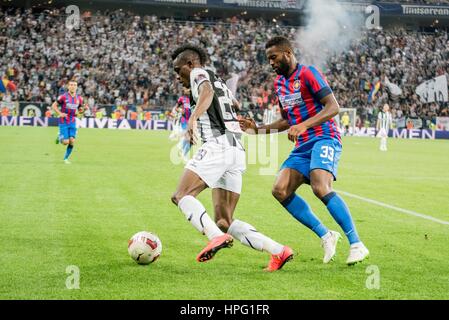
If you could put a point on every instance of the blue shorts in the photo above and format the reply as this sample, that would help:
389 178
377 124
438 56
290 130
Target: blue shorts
67 131
324 154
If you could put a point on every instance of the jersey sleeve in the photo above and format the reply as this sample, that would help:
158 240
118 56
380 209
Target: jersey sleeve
316 83
197 77
61 99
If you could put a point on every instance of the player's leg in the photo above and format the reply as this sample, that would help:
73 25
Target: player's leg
325 157
225 196
72 136
189 187
225 202
284 188
201 172
64 134
184 145
62 128
287 182
173 132
383 140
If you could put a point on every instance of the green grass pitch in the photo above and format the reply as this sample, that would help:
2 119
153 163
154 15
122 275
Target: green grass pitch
54 215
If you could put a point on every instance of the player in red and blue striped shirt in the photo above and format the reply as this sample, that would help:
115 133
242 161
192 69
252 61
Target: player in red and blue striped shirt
184 105
70 104
308 107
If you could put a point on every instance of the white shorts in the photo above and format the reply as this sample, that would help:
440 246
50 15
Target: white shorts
219 164
382 133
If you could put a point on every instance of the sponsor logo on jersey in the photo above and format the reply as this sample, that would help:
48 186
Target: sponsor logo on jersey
72 106
290 100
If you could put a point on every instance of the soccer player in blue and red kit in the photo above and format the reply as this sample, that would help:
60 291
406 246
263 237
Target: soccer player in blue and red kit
184 104
308 107
71 104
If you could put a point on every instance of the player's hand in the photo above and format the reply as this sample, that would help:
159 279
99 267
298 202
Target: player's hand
295 131
248 125
63 115
191 131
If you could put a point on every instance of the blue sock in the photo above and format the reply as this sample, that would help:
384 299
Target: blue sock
185 147
301 211
340 212
68 151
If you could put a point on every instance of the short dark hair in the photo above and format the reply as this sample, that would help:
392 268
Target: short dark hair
279 41
193 50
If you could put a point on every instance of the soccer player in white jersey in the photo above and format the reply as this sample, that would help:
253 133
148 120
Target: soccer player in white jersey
218 164
384 123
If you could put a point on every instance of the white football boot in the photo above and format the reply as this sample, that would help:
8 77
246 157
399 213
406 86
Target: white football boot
329 243
357 253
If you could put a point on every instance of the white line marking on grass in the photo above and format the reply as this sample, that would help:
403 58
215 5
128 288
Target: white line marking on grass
385 205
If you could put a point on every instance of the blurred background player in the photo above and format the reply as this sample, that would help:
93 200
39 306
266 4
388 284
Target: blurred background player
308 107
70 104
175 116
184 111
219 163
384 124
345 121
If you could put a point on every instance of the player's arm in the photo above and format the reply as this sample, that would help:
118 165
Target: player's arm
237 105
82 107
54 106
330 110
205 97
249 125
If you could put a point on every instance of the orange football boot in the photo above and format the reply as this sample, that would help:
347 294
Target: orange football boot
215 244
277 261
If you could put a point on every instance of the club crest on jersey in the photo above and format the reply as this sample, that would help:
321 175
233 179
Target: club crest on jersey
296 84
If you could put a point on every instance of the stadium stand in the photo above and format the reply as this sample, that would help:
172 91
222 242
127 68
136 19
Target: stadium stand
123 59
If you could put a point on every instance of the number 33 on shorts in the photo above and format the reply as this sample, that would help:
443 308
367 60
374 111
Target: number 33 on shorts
325 155
327 152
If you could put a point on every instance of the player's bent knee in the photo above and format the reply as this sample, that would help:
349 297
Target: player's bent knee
320 190
279 193
65 142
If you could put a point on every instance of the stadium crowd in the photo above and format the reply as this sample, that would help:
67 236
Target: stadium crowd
124 60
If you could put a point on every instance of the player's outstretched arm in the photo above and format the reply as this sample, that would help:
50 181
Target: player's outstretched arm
330 110
249 126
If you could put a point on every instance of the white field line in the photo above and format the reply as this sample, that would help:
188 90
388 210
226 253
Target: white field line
385 205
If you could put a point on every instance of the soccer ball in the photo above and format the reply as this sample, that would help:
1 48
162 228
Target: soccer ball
144 247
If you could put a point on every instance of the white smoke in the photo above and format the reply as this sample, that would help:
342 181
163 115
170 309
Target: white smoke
329 30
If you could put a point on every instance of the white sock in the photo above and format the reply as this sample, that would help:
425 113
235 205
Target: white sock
198 217
250 237
383 143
